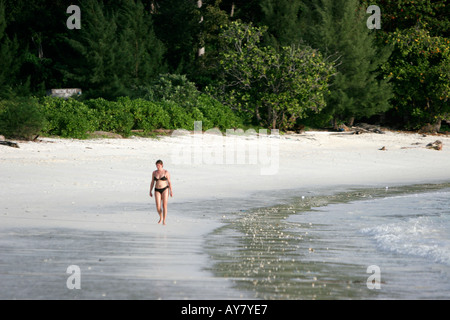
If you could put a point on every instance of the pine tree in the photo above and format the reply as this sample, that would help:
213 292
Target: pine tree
37 26
9 63
177 26
282 19
94 65
140 47
204 71
115 49
338 29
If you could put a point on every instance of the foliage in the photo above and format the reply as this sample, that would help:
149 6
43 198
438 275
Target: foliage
405 14
282 19
124 45
146 115
67 118
420 72
338 28
177 26
276 86
72 118
184 104
111 115
20 118
203 70
217 114
115 49
9 50
173 87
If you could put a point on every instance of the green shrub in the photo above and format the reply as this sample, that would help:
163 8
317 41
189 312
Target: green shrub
72 118
147 115
111 116
179 118
217 114
173 87
67 118
20 118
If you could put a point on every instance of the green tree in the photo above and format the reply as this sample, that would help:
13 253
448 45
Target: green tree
338 28
177 26
37 26
248 11
405 14
96 66
420 72
419 31
139 43
9 62
282 19
203 71
276 87
114 50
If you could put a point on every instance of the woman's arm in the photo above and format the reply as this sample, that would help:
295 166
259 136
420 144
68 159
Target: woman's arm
151 185
170 183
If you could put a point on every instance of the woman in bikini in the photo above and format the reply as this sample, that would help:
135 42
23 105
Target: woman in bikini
161 180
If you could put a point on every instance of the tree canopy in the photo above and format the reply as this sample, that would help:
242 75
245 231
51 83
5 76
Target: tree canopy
276 63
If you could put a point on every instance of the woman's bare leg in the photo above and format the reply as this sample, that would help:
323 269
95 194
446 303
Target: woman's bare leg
165 199
158 205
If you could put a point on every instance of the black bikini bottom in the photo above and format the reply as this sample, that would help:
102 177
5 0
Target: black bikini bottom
161 190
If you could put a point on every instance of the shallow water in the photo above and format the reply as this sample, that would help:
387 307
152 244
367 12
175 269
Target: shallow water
315 244
320 246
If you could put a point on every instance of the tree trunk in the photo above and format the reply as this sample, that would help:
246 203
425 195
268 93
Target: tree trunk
335 123
437 125
258 116
351 121
201 51
274 119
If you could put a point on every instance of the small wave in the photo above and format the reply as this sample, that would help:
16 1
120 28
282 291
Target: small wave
421 237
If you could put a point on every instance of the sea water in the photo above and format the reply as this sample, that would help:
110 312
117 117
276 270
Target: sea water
324 246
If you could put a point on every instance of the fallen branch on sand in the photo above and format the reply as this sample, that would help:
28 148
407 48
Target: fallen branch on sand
365 128
437 145
359 129
9 144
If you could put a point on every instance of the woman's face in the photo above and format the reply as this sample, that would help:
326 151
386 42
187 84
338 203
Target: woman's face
159 166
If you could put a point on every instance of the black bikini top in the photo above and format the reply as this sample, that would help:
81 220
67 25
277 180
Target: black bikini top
163 178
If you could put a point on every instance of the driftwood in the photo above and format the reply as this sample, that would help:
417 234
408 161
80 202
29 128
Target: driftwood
437 145
359 128
365 128
9 144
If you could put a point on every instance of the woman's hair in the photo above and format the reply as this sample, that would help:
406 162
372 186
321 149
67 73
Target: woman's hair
159 162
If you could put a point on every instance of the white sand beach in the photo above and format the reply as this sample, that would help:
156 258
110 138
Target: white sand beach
99 188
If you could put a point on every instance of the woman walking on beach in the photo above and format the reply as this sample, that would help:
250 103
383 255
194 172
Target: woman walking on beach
161 180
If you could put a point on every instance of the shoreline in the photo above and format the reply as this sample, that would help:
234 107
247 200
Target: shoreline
254 249
86 202
129 259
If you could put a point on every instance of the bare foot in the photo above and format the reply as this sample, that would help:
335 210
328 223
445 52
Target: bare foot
160 217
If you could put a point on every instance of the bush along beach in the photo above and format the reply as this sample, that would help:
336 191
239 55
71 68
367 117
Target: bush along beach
172 107
75 119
